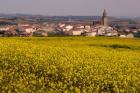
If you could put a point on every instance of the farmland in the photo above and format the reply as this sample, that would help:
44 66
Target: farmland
69 65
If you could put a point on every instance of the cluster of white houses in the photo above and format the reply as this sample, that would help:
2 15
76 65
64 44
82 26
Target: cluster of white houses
100 28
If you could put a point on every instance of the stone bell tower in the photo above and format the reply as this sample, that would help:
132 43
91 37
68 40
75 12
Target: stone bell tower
105 18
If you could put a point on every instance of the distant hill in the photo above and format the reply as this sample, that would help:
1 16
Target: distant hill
42 18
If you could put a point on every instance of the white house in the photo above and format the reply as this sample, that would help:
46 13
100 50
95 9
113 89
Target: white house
91 34
123 36
74 32
130 35
68 28
27 29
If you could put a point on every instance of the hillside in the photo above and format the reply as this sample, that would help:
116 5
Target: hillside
69 65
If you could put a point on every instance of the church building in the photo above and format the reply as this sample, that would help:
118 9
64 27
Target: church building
104 19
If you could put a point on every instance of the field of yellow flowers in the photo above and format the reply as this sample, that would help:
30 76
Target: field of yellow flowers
69 65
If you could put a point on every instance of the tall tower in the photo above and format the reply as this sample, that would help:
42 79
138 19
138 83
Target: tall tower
105 18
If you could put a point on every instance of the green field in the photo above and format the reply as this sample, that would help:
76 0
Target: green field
69 65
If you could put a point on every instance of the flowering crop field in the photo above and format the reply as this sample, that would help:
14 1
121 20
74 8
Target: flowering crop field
69 65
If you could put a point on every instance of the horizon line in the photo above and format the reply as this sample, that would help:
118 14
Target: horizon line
35 14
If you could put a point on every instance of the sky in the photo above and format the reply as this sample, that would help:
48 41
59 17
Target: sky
129 8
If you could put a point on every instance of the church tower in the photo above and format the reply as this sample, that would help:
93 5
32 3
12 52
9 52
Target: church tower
105 18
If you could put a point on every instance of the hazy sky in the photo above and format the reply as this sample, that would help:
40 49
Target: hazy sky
72 7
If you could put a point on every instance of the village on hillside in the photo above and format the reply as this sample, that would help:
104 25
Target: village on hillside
102 27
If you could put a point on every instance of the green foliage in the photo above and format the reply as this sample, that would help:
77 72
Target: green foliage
69 65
